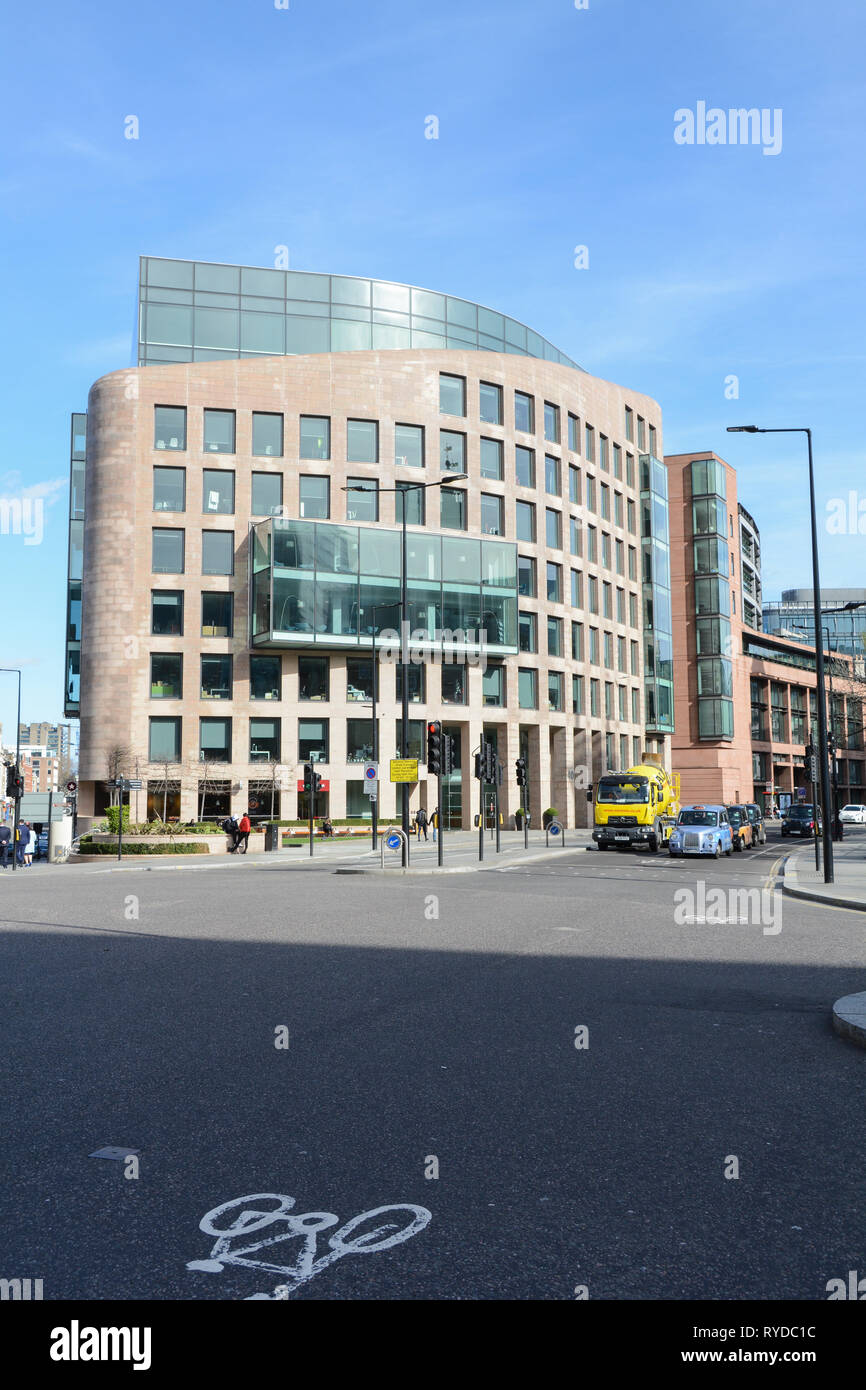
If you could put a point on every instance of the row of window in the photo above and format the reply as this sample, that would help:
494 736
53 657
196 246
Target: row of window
219 431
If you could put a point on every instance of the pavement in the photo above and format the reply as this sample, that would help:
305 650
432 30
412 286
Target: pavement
847 891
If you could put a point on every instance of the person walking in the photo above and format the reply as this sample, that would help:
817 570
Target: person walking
5 837
244 828
434 821
30 846
23 842
230 826
421 822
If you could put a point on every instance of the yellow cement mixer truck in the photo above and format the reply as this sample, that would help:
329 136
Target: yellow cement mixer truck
636 807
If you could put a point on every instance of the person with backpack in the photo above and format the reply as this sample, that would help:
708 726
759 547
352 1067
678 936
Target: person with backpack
421 822
230 826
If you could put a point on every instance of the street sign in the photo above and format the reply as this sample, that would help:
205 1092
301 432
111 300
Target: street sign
404 769
393 841
371 772
133 785
373 796
370 789
72 786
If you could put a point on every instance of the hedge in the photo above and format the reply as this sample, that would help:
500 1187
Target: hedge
91 848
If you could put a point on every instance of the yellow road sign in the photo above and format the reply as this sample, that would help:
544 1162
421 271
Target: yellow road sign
404 769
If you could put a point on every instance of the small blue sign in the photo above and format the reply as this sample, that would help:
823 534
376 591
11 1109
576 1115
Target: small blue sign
555 829
393 842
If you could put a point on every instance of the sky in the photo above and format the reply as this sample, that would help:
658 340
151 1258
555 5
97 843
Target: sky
724 281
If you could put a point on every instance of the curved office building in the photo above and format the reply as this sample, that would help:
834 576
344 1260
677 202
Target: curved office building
242 557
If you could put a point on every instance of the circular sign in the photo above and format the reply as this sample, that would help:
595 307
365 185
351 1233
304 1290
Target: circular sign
555 828
71 786
393 841
371 772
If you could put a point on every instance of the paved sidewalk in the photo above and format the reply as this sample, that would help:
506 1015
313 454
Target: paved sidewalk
803 880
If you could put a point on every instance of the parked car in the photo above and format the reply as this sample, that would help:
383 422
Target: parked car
853 814
756 816
702 830
741 827
800 820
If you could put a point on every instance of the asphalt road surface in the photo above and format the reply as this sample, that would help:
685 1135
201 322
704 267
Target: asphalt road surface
431 1027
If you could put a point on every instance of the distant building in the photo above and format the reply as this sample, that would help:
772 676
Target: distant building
40 768
61 739
794 617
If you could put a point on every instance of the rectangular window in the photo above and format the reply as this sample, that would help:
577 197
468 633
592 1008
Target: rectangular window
315 497
590 493
525 521
215 740
574 434
493 685
577 641
621 694
629 470
577 694
632 610
574 535
594 698
632 522
216 677
617 461
552 482
605 550
629 424
632 563
169 427
554 637
362 504
267 497
635 658
553 528
526 581
452 509
605 502
490 402
608 700
409 446
359 740
362 441
264 740
524 413
452 394
603 457
265 681
576 589
620 605
635 705
267 435
417 693
216 615
589 445
219 431
641 433
359 678
315 437
593 646
592 584
169 489
166 675
620 557
607 638
524 466
573 483
491 459
554 690
492 515
313 677
166 613
454 690
592 544
452 451
527 688
412 498
167 551
607 599
164 740
218 491
617 509
554 583
415 747
527 632
652 441
620 655
313 740
217 552
551 422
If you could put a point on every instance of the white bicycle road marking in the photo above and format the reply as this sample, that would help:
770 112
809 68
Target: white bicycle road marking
306 1226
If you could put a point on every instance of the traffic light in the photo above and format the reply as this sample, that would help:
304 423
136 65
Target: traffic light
520 769
489 764
434 748
312 779
317 782
479 766
447 755
14 781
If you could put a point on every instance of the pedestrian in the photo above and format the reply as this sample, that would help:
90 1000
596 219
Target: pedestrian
5 837
230 826
421 822
24 843
434 821
244 828
327 828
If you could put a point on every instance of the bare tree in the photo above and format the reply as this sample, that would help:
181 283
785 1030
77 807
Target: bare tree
117 765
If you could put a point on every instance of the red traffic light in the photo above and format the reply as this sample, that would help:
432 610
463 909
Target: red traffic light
434 727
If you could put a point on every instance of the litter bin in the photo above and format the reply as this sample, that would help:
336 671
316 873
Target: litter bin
272 837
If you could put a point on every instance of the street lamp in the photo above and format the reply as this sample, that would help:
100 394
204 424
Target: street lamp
13 671
403 488
819 647
838 830
374 806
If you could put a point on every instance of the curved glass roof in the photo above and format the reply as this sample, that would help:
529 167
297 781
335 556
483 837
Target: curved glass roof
197 311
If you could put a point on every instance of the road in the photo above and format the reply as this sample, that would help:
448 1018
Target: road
431 1024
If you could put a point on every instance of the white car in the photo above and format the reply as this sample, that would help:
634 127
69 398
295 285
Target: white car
853 814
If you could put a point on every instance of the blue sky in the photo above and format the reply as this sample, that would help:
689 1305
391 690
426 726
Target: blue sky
305 127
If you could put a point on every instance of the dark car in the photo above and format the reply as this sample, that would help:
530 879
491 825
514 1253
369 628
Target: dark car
741 827
756 816
800 820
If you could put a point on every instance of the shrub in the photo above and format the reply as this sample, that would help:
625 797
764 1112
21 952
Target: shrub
88 847
113 816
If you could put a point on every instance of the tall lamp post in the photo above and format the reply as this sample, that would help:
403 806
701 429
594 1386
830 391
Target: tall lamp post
838 831
402 489
374 805
13 671
819 647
